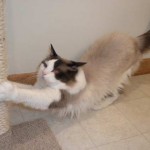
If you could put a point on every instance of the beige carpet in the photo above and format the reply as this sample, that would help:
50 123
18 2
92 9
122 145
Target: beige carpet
35 135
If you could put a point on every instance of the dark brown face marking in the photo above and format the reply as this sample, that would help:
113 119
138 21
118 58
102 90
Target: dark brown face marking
44 63
58 63
65 70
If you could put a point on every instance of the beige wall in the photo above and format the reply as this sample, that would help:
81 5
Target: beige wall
71 25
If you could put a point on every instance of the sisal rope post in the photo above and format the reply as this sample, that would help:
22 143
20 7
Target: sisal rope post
4 116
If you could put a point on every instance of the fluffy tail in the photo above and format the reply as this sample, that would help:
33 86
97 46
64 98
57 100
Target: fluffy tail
144 42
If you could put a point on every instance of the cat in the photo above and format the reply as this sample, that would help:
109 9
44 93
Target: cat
71 88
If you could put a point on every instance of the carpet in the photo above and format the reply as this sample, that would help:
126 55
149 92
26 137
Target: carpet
34 135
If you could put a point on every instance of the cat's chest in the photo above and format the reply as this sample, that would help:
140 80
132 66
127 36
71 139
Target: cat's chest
40 84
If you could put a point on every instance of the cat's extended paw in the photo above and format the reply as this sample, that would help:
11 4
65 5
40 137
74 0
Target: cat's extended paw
6 90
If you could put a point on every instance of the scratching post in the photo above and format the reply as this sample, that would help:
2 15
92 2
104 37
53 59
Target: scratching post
4 117
35 135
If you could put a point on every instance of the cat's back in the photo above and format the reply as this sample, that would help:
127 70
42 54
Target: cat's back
109 54
110 46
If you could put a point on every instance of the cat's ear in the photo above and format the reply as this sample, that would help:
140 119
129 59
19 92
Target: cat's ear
79 64
52 51
75 65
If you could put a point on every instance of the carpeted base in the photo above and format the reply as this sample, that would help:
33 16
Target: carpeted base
34 135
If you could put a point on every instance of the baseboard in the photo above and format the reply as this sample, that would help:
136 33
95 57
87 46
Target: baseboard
144 67
30 78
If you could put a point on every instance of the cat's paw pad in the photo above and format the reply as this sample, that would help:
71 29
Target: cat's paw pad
6 88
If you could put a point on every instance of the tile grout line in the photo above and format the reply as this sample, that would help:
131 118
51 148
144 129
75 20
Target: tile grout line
140 83
117 141
145 138
136 99
147 96
112 141
142 89
21 115
130 121
87 135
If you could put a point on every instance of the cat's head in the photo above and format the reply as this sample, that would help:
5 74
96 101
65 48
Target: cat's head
60 73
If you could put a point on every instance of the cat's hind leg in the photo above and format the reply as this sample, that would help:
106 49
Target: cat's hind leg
110 97
105 101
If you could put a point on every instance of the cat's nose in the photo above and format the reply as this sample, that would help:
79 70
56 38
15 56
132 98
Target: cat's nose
43 73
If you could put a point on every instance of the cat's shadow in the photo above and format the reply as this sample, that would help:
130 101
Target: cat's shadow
59 124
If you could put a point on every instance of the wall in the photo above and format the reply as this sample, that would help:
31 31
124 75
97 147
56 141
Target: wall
71 25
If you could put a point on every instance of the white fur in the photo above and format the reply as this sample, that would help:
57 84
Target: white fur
35 98
50 66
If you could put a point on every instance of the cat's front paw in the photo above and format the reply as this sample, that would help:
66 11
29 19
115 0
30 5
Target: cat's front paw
6 90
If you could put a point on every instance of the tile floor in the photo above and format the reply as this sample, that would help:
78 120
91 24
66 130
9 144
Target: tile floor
125 125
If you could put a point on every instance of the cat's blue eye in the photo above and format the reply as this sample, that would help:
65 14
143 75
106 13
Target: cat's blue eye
44 63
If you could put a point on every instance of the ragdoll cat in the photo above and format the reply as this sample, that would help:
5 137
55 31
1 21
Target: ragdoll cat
71 87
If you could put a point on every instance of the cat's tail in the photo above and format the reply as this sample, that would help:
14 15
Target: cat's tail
144 42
